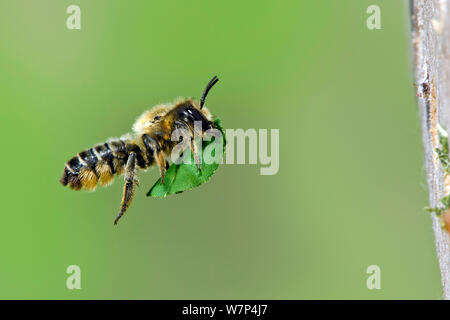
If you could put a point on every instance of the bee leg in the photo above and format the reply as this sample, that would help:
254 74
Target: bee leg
194 148
162 164
131 181
195 152
153 145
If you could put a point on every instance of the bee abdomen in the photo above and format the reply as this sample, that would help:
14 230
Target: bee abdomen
100 163
84 171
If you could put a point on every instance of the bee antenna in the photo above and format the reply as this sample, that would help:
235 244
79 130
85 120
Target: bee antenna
208 87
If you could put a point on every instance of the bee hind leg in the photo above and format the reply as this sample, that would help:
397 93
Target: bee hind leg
131 182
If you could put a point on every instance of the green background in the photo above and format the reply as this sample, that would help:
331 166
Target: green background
350 190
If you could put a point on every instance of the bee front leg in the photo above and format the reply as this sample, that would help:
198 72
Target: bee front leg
131 181
195 152
193 145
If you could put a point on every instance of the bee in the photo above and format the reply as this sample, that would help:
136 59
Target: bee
149 144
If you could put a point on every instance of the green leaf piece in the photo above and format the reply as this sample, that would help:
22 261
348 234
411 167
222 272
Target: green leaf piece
185 176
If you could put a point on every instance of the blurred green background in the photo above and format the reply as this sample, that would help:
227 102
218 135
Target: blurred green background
350 190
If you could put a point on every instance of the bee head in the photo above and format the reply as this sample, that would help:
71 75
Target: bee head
189 113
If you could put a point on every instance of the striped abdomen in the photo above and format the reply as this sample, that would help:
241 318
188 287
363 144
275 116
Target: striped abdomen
100 163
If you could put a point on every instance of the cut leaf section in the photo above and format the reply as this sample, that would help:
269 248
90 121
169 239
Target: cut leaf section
185 176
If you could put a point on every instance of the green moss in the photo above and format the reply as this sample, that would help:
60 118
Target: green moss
445 162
